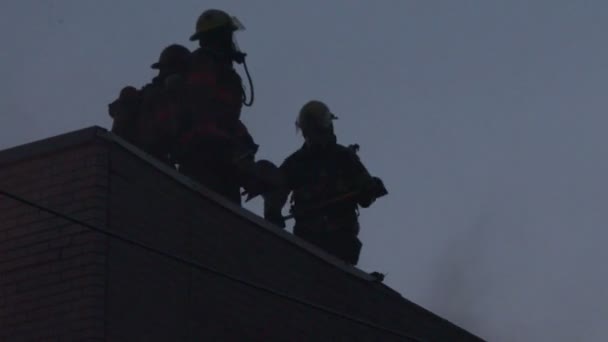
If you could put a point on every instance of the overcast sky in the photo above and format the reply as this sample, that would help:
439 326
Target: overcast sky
486 119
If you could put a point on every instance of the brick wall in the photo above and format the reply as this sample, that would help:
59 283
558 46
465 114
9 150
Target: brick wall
52 280
62 281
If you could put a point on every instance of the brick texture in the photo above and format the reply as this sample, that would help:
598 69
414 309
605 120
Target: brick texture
61 281
52 272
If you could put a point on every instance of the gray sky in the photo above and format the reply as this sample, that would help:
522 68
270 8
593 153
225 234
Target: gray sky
486 119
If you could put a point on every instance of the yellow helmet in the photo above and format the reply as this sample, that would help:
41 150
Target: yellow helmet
212 19
315 115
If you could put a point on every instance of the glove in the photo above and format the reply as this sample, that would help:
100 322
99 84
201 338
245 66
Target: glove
371 189
273 206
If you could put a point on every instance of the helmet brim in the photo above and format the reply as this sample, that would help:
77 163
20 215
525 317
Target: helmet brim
195 36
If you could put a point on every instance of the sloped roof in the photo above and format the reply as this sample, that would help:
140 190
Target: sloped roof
392 300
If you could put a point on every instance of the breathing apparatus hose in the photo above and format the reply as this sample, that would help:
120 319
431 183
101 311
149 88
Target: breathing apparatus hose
251 92
239 58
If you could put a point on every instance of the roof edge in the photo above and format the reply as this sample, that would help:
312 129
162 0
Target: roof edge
91 134
48 145
235 209
72 139
263 224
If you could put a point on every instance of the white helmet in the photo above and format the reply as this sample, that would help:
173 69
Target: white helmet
315 115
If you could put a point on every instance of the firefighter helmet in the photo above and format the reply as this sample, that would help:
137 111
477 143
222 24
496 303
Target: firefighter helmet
315 115
212 19
172 55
